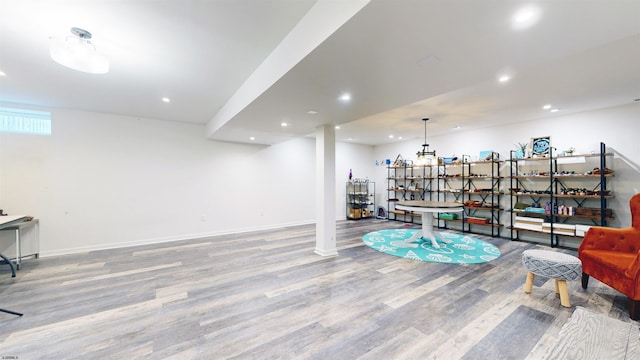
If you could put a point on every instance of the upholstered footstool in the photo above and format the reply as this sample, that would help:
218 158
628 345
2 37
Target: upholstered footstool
554 265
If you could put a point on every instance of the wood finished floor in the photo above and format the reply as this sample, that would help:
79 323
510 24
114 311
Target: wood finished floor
266 295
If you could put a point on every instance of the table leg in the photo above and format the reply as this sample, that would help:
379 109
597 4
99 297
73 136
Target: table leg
410 241
427 229
426 232
18 250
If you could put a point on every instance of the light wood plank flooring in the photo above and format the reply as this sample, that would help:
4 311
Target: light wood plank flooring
266 295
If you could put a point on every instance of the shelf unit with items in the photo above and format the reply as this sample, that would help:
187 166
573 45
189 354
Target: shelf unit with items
560 196
360 199
475 184
407 182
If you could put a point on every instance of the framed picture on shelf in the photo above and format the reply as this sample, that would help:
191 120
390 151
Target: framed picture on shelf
540 146
399 161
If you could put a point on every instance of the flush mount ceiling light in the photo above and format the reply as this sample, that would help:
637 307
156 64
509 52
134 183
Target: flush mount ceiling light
525 17
345 98
425 157
78 52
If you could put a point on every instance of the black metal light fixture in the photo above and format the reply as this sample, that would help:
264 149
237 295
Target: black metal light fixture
425 157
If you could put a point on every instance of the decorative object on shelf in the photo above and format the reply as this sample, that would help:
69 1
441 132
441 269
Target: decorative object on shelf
540 146
425 157
487 155
77 52
399 161
350 174
521 150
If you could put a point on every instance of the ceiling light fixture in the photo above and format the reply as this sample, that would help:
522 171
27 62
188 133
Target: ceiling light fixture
252 138
547 107
346 97
78 52
166 100
2 73
555 110
504 78
525 17
337 127
312 112
284 124
425 157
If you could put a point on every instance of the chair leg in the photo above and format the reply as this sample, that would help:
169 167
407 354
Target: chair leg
528 285
585 280
634 309
561 285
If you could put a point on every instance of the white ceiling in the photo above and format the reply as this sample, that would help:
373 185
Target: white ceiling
402 60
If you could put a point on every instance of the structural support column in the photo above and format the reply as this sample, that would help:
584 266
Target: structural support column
326 191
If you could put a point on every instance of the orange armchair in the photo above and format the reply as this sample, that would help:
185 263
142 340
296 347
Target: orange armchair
613 256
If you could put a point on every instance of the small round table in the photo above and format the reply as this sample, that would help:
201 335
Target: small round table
427 208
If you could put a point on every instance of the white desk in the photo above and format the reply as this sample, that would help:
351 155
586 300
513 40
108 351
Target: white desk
428 208
5 223
27 239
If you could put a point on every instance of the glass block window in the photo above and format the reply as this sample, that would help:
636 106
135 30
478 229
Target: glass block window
25 121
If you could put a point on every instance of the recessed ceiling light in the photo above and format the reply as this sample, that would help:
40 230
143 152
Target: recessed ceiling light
337 127
547 107
525 17
399 137
2 73
457 127
252 138
284 124
346 97
391 136
166 100
312 112
351 139
504 78
555 110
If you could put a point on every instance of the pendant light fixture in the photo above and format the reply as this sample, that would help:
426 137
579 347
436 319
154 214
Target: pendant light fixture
425 157
78 52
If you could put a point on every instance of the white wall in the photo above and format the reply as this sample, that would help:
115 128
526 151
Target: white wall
618 128
103 181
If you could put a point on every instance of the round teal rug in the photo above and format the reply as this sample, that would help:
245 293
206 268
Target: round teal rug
463 249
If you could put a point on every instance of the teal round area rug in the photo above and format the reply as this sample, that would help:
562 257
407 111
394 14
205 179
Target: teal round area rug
461 249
